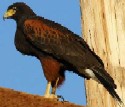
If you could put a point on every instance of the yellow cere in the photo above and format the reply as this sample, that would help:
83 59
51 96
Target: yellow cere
9 13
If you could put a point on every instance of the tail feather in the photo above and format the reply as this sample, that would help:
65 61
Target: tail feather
107 81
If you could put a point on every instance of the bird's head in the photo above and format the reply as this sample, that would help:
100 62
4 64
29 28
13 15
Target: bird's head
17 10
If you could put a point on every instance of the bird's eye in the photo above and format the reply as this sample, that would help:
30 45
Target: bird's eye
14 8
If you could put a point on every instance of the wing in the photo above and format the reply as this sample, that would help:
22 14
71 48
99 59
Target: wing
58 41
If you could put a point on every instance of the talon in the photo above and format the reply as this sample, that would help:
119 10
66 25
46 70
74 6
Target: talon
61 97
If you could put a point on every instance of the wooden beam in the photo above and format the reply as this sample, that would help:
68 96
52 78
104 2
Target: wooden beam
103 26
11 98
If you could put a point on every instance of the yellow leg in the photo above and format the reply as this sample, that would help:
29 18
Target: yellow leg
47 92
53 93
55 86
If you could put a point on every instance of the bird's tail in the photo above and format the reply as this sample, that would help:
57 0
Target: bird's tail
107 81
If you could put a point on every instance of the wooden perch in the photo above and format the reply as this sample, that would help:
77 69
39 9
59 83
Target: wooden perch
103 26
11 98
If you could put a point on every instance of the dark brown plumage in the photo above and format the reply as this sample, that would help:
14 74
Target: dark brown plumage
57 48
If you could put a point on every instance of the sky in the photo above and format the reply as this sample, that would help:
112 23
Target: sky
24 73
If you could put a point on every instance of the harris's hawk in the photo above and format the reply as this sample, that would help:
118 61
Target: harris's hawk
57 48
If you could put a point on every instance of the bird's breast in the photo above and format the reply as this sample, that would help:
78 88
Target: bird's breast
23 45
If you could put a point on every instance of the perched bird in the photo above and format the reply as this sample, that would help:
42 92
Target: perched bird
57 48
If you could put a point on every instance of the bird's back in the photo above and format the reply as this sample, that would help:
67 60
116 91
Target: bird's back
53 37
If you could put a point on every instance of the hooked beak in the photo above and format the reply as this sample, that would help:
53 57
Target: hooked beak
9 14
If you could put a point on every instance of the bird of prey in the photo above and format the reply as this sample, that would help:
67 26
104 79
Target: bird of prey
57 48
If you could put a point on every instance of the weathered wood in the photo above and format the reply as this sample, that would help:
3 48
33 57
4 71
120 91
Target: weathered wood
103 26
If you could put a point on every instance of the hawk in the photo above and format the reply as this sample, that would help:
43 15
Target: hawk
57 48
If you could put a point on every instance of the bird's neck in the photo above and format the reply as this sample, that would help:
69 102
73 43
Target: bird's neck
21 19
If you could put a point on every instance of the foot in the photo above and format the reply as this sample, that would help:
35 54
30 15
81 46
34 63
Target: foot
51 96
